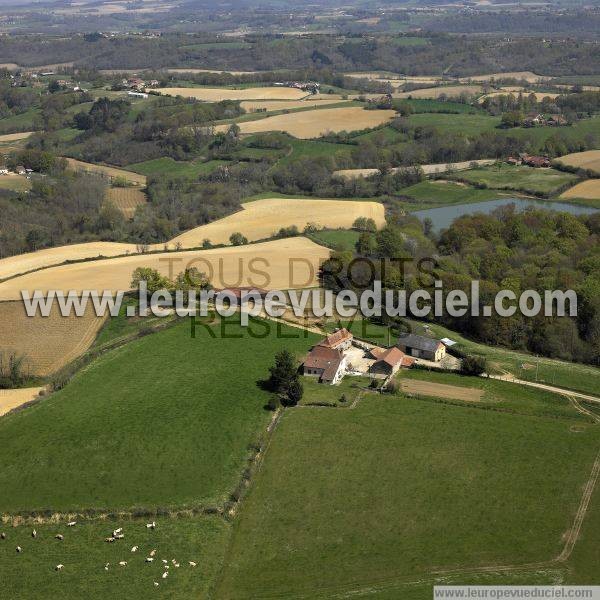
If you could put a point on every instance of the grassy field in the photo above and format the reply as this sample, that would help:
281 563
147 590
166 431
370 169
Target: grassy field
163 421
527 179
166 166
423 105
24 121
467 123
369 490
343 239
501 396
83 552
429 194
317 393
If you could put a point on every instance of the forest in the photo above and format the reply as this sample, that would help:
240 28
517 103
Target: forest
467 56
531 250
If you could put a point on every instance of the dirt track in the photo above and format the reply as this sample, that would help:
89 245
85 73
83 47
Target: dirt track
440 390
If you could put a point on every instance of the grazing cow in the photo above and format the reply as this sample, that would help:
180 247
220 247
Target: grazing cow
19 549
110 540
151 525
59 567
60 537
71 523
153 553
165 574
149 559
34 534
123 563
192 563
156 584
120 536
2 536
134 549
177 565
164 561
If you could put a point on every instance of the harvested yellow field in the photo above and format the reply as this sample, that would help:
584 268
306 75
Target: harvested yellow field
262 218
111 172
11 399
257 220
588 190
427 169
269 105
582 160
14 182
13 137
23 263
218 94
314 123
126 199
528 76
47 343
279 264
539 96
451 91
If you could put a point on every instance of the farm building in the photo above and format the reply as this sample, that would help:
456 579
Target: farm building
338 340
387 362
422 347
326 363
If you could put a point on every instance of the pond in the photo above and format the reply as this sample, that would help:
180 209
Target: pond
443 216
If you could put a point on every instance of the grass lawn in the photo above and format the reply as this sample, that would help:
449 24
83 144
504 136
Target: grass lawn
122 327
465 123
166 166
429 194
424 105
163 421
318 393
343 239
348 500
527 179
313 149
24 121
83 552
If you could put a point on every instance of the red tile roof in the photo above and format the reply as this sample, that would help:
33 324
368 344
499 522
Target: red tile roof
392 356
336 338
327 359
